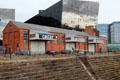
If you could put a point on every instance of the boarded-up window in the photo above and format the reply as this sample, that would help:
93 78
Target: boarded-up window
11 27
25 37
32 35
49 42
63 39
56 41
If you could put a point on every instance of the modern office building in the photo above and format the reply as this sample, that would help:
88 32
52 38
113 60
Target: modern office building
114 36
103 29
2 26
6 15
68 13
114 33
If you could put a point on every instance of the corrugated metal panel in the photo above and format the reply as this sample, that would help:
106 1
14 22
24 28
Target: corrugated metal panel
48 29
40 32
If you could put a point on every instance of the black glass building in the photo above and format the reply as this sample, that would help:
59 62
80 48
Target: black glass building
72 13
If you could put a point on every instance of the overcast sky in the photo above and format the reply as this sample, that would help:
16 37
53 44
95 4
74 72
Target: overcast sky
25 9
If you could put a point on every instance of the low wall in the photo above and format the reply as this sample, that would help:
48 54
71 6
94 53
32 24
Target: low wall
46 69
106 67
61 68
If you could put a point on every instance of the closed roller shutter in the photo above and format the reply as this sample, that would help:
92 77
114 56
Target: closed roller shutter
37 47
91 48
69 46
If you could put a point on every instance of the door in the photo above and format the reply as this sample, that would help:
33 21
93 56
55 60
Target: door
91 48
37 47
70 46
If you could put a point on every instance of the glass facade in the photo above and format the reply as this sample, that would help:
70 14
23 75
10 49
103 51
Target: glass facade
112 31
25 37
115 33
80 13
113 47
68 13
103 29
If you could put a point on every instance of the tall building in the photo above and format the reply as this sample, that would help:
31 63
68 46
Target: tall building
114 36
103 29
114 33
6 15
2 26
72 13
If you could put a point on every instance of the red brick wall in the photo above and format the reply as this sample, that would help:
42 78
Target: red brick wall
104 44
24 46
81 46
97 48
84 45
13 37
57 47
92 31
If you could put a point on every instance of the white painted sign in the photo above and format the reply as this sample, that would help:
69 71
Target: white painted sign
95 41
45 36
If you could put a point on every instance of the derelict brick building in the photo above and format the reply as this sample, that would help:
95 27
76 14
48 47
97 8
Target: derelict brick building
23 37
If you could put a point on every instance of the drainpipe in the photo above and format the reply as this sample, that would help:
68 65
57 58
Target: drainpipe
64 41
29 42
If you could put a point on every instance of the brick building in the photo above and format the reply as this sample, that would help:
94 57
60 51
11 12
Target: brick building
15 39
91 30
104 45
23 38
97 39
76 42
57 44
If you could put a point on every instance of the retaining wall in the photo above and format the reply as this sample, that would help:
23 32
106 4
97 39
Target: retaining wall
61 68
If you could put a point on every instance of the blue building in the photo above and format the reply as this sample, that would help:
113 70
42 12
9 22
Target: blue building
114 36
114 33
103 29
